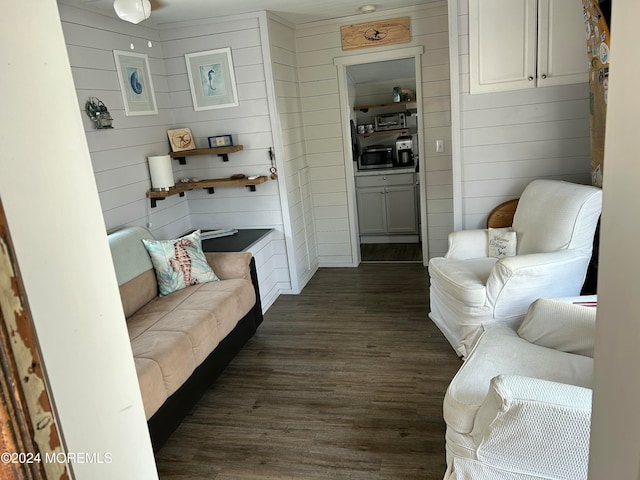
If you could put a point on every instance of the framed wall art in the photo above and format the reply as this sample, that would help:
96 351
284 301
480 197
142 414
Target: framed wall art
136 85
212 80
181 139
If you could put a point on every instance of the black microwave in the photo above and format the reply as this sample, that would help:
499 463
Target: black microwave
377 156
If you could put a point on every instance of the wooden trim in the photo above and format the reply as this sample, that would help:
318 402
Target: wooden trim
27 421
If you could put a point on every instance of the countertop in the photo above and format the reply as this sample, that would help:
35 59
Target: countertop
384 171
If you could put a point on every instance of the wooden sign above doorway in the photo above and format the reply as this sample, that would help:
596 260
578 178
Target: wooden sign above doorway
375 34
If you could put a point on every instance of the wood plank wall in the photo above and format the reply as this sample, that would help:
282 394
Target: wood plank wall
119 155
317 45
511 138
296 168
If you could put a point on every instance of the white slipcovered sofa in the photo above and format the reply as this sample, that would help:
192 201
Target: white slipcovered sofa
520 405
470 291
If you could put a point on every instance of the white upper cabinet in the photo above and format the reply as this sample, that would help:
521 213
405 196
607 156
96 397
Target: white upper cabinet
517 44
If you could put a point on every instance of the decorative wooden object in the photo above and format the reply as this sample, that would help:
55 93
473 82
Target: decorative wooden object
598 39
28 431
375 34
502 215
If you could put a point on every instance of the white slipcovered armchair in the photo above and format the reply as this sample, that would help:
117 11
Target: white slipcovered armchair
520 405
555 222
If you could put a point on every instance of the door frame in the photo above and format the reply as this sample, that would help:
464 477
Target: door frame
345 113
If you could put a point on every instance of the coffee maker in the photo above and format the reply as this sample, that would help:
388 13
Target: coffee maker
404 151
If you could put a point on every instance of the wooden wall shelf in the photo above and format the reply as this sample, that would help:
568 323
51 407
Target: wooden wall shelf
365 108
386 132
220 151
209 185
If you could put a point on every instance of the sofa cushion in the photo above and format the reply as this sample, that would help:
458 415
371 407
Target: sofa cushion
553 215
179 262
500 351
152 384
562 325
463 280
178 331
137 292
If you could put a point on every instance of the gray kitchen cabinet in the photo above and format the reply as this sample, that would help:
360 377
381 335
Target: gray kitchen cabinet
372 210
387 204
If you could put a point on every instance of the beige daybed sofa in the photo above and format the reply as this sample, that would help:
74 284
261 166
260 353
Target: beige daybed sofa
182 341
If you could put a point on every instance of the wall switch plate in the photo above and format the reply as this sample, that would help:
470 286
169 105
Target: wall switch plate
439 146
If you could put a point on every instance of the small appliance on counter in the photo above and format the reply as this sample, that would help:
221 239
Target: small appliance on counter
404 151
390 121
376 156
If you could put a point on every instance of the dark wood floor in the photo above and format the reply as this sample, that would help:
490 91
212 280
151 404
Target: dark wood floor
345 380
391 252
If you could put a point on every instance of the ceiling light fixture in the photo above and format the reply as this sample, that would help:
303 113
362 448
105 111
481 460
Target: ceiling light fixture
368 8
133 11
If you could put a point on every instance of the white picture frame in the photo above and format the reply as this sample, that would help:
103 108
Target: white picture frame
136 84
212 79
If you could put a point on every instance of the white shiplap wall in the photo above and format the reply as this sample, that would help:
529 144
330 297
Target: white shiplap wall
511 138
292 134
119 155
317 45
249 124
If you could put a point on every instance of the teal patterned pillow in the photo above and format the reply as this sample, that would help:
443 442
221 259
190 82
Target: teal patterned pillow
179 263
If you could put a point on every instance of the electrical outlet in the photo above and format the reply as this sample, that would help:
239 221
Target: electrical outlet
439 146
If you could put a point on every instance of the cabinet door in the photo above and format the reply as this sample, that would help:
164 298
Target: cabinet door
562 48
401 209
372 210
502 45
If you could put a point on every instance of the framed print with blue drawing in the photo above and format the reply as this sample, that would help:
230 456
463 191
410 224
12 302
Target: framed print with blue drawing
211 78
136 85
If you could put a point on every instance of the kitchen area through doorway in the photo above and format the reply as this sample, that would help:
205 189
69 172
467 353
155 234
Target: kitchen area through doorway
384 137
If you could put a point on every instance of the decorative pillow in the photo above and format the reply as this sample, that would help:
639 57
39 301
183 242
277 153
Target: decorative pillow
502 242
179 263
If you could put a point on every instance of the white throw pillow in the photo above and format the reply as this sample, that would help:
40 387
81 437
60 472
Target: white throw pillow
502 242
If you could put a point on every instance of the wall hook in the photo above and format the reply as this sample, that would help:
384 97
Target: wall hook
273 169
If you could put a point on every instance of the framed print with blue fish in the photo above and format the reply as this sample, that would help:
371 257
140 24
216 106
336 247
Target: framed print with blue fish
136 85
212 81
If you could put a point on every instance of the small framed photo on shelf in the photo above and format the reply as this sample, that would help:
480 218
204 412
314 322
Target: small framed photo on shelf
181 139
220 141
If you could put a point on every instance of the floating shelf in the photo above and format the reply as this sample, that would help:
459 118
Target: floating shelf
220 151
209 185
365 108
386 132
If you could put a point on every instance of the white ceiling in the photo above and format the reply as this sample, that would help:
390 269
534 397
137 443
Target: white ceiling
294 11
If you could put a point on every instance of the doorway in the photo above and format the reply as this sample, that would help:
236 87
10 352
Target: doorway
387 208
